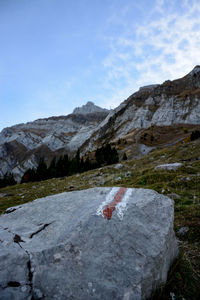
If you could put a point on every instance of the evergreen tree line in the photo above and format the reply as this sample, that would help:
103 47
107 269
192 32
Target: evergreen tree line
195 135
7 179
66 167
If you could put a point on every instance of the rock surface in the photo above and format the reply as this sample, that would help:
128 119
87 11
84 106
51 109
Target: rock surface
173 166
22 145
170 103
71 246
89 107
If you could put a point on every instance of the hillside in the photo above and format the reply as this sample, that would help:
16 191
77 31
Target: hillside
182 184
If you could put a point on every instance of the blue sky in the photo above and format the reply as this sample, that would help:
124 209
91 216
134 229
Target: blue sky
56 55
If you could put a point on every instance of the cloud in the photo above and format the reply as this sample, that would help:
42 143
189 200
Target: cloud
164 46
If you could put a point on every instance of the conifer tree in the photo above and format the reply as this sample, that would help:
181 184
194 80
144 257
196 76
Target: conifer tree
8 179
52 172
41 171
124 156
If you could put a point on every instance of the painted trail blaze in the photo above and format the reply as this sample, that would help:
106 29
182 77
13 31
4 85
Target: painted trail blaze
108 210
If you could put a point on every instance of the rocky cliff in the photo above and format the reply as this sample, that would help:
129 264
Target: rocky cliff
22 145
171 103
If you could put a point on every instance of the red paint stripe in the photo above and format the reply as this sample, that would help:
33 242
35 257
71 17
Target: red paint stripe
108 210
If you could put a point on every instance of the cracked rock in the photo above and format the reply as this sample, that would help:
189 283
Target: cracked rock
101 243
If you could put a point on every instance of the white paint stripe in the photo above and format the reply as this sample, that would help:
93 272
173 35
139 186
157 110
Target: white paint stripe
109 198
121 207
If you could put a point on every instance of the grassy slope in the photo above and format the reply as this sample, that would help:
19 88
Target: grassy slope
184 276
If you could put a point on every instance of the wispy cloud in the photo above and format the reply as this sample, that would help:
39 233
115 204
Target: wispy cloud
164 46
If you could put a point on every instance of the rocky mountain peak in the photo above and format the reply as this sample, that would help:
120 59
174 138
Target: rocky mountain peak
89 107
195 70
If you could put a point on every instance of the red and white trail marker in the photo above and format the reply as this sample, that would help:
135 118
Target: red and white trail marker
116 200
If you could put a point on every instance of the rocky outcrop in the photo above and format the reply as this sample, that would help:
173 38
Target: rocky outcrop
173 166
89 107
101 243
22 145
171 103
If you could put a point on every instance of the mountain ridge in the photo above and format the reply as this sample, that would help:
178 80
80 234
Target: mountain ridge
88 127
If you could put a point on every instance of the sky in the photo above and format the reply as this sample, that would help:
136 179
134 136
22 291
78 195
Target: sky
56 55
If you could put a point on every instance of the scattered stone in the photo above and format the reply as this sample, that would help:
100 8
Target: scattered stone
34 187
127 174
183 230
173 166
101 243
118 178
172 295
174 196
118 166
2 195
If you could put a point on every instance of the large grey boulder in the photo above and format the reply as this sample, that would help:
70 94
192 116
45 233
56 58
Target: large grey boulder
73 246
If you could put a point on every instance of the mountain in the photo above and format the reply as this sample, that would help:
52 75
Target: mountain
168 104
142 122
22 145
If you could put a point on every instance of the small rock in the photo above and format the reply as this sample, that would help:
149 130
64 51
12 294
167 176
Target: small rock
183 230
5 195
118 166
172 296
127 174
118 178
33 187
173 166
173 196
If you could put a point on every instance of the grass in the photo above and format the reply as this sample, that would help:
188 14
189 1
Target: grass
184 276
